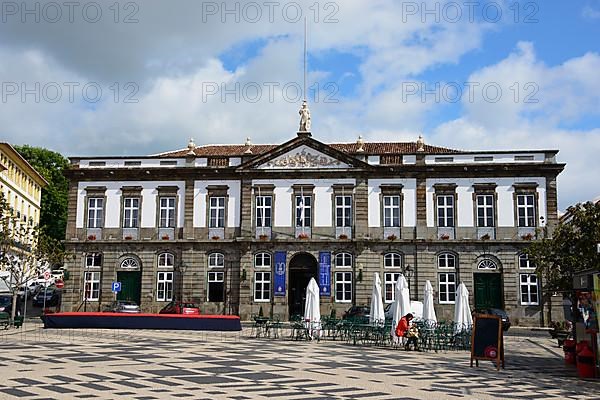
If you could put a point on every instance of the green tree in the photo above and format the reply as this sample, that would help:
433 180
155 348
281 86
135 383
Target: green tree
26 250
50 164
570 249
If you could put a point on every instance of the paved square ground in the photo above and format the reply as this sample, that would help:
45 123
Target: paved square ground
110 364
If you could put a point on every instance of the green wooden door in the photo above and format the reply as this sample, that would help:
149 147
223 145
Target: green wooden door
131 286
488 291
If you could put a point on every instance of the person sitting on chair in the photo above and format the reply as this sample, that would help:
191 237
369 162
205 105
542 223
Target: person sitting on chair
402 330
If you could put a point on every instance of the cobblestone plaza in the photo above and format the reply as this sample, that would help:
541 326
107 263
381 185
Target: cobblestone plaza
109 364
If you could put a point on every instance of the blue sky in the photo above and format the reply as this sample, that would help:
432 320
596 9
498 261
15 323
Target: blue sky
184 63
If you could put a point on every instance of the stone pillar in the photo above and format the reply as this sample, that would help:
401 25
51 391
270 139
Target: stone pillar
246 209
361 210
421 231
188 210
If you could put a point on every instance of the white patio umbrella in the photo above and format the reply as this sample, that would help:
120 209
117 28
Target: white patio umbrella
401 305
312 309
462 311
428 309
377 314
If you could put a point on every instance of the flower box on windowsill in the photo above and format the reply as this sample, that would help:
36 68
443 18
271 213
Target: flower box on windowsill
392 237
165 237
444 236
263 237
343 237
128 237
303 236
91 237
527 236
215 237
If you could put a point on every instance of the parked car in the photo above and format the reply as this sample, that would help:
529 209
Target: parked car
52 297
416 309
6 303
58 274
357 312
498 312
123 306
178 307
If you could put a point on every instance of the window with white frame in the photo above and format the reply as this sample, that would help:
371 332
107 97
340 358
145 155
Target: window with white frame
131 207
303 211
343 286
485 210
93 260
263 211
262 260
487 263
343 260
525 262
215 286
389 283
164 286
447 288
166 260
262 286
529 290
216 277
130 263
216 212
343 211
526 210
167 212
216 260
446 260
392 260
91 285
391 211
95 212
445 211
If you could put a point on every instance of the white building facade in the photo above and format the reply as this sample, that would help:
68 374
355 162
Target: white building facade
236 228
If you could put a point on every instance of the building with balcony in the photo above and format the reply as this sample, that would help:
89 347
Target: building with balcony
240 227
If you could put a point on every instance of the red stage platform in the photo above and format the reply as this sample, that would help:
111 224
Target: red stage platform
107 320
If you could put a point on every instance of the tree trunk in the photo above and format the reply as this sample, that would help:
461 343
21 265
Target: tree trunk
14 305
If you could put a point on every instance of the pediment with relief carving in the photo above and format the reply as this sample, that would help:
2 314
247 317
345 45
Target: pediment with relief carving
303 157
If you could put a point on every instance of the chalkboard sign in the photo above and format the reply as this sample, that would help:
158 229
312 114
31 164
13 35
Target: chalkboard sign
487 342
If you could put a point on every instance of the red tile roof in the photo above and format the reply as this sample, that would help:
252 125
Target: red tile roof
238 150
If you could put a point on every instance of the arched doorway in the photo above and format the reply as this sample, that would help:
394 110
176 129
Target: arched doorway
303 266
487 283
130 276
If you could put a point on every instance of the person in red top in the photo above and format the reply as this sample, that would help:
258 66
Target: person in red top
403 328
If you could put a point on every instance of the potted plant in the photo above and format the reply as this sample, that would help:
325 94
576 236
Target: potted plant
303 236
392 237
91 237
263 237
527 236
128 237
165 237
215 237
343 236
444 236
485 237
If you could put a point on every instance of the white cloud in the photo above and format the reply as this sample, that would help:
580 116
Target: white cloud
172 55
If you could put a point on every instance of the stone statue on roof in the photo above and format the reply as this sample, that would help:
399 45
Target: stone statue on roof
304 117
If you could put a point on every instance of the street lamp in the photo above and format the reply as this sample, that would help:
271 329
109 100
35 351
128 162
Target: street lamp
408 272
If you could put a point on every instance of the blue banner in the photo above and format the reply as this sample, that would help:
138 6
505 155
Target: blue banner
280 273
325 273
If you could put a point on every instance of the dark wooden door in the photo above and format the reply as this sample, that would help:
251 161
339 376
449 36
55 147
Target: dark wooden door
488 291
131 286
